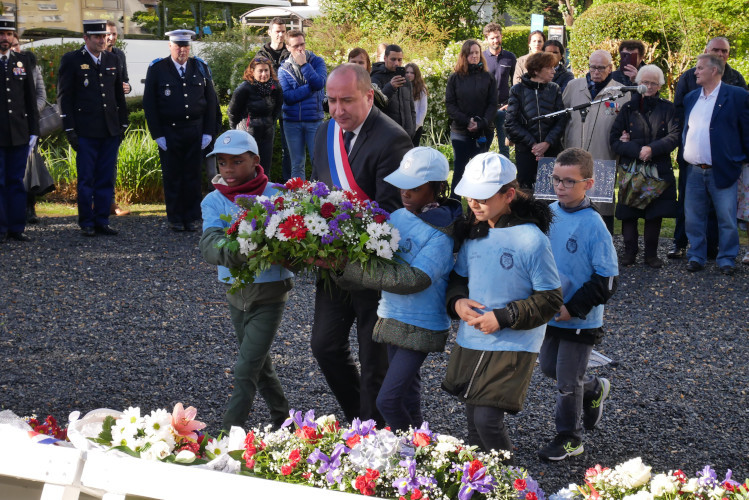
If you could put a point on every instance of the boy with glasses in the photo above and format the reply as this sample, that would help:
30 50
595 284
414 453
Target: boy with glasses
586 261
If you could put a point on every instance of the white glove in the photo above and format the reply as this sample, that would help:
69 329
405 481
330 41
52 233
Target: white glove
206 141
161 141
32 140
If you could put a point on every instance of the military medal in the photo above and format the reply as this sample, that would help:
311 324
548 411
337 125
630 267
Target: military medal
167 92
85 82
19 64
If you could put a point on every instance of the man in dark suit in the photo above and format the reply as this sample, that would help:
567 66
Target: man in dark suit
716 145
180 105
94 114
111 42
375 145
718 46
19 129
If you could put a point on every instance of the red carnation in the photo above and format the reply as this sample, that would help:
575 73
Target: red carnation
475 466
353 440
327 210
519 484
295 183
421 439
286 470
294 457
416 494
531 496
366 483
278 202
294 228
380 218
250 464
235 225
308 434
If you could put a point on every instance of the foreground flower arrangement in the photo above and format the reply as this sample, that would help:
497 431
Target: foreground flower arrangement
633 480
304 223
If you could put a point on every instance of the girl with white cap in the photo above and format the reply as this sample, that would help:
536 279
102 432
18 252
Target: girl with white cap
412 317
504 288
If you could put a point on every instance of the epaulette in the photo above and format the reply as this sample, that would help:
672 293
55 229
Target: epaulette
155 61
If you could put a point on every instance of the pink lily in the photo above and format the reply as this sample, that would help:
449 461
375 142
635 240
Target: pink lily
184 423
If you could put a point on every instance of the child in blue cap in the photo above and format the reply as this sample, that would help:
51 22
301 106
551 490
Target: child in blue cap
504 288
412 320
256 309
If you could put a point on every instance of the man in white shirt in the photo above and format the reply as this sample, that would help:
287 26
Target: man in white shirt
716 144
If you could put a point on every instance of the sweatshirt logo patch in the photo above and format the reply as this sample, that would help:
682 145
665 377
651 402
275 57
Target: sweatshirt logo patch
506 261
571 245
405 245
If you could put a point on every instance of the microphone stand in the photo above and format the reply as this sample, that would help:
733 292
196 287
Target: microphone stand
583 108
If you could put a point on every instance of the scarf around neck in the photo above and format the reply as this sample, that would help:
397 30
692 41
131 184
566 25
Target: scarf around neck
255 186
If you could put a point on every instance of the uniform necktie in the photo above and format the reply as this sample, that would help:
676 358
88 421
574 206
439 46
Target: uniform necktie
182 71
347 137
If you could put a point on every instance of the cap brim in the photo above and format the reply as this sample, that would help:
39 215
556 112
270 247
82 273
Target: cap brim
402 181
229 150
477 191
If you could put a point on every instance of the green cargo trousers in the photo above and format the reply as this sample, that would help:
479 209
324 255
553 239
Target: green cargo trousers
256 328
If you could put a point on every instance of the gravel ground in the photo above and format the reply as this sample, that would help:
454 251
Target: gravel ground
139 319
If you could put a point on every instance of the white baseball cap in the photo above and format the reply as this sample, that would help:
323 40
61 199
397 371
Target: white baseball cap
419 166
234 142
485 175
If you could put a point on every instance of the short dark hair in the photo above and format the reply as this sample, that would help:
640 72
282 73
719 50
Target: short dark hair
295 33
491 28
538 61
276 20
537 32
633 45
577 157
557 44
111 23
392 48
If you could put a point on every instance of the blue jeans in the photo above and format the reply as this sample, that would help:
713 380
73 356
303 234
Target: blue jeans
399 399
499 123
96 164
464 148
700 190
566 362
680 232
299 134
12 191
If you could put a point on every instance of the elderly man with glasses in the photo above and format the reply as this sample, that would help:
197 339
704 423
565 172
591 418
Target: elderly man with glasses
590 131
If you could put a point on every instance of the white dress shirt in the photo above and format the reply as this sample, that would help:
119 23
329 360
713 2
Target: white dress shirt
357 130
697 142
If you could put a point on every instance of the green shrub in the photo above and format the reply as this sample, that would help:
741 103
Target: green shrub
48 58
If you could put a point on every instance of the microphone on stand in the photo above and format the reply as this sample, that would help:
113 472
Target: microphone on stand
633 88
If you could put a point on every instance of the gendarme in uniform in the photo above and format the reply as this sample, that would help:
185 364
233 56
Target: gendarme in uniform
180 106
94 114
19 129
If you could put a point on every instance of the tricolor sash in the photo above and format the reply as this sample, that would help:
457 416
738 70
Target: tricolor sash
340 169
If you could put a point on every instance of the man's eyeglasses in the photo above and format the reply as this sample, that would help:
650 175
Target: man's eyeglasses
568 183
597 68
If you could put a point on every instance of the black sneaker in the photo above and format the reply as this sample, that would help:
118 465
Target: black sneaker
560 448
593 408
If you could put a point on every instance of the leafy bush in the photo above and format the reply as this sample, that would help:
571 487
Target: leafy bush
48 58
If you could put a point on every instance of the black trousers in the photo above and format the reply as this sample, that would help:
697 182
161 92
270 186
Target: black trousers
335 313
181 166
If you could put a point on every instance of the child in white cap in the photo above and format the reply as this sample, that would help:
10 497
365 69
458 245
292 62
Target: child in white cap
504 288
412 317
256 309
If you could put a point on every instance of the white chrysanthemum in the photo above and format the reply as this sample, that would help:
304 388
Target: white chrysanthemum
384 250
126 435
131 417
633 473
157 422
288 212
273 223
246 246
158 450
317 225
377 231
663 484
244 228
218 447
395 238
446 444
335 197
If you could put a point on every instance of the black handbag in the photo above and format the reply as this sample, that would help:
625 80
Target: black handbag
50 120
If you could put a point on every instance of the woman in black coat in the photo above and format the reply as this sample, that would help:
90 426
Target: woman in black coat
256 105
535 95
647 130
562 76
471 100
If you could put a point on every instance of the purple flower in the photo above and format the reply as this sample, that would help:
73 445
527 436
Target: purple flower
361 428
320 190
296 418
327 239
532 486
707 477
249 197
253 224
478 482
424 429
329 463
347 205
270 207
341 217
728 479
411 482
277 185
